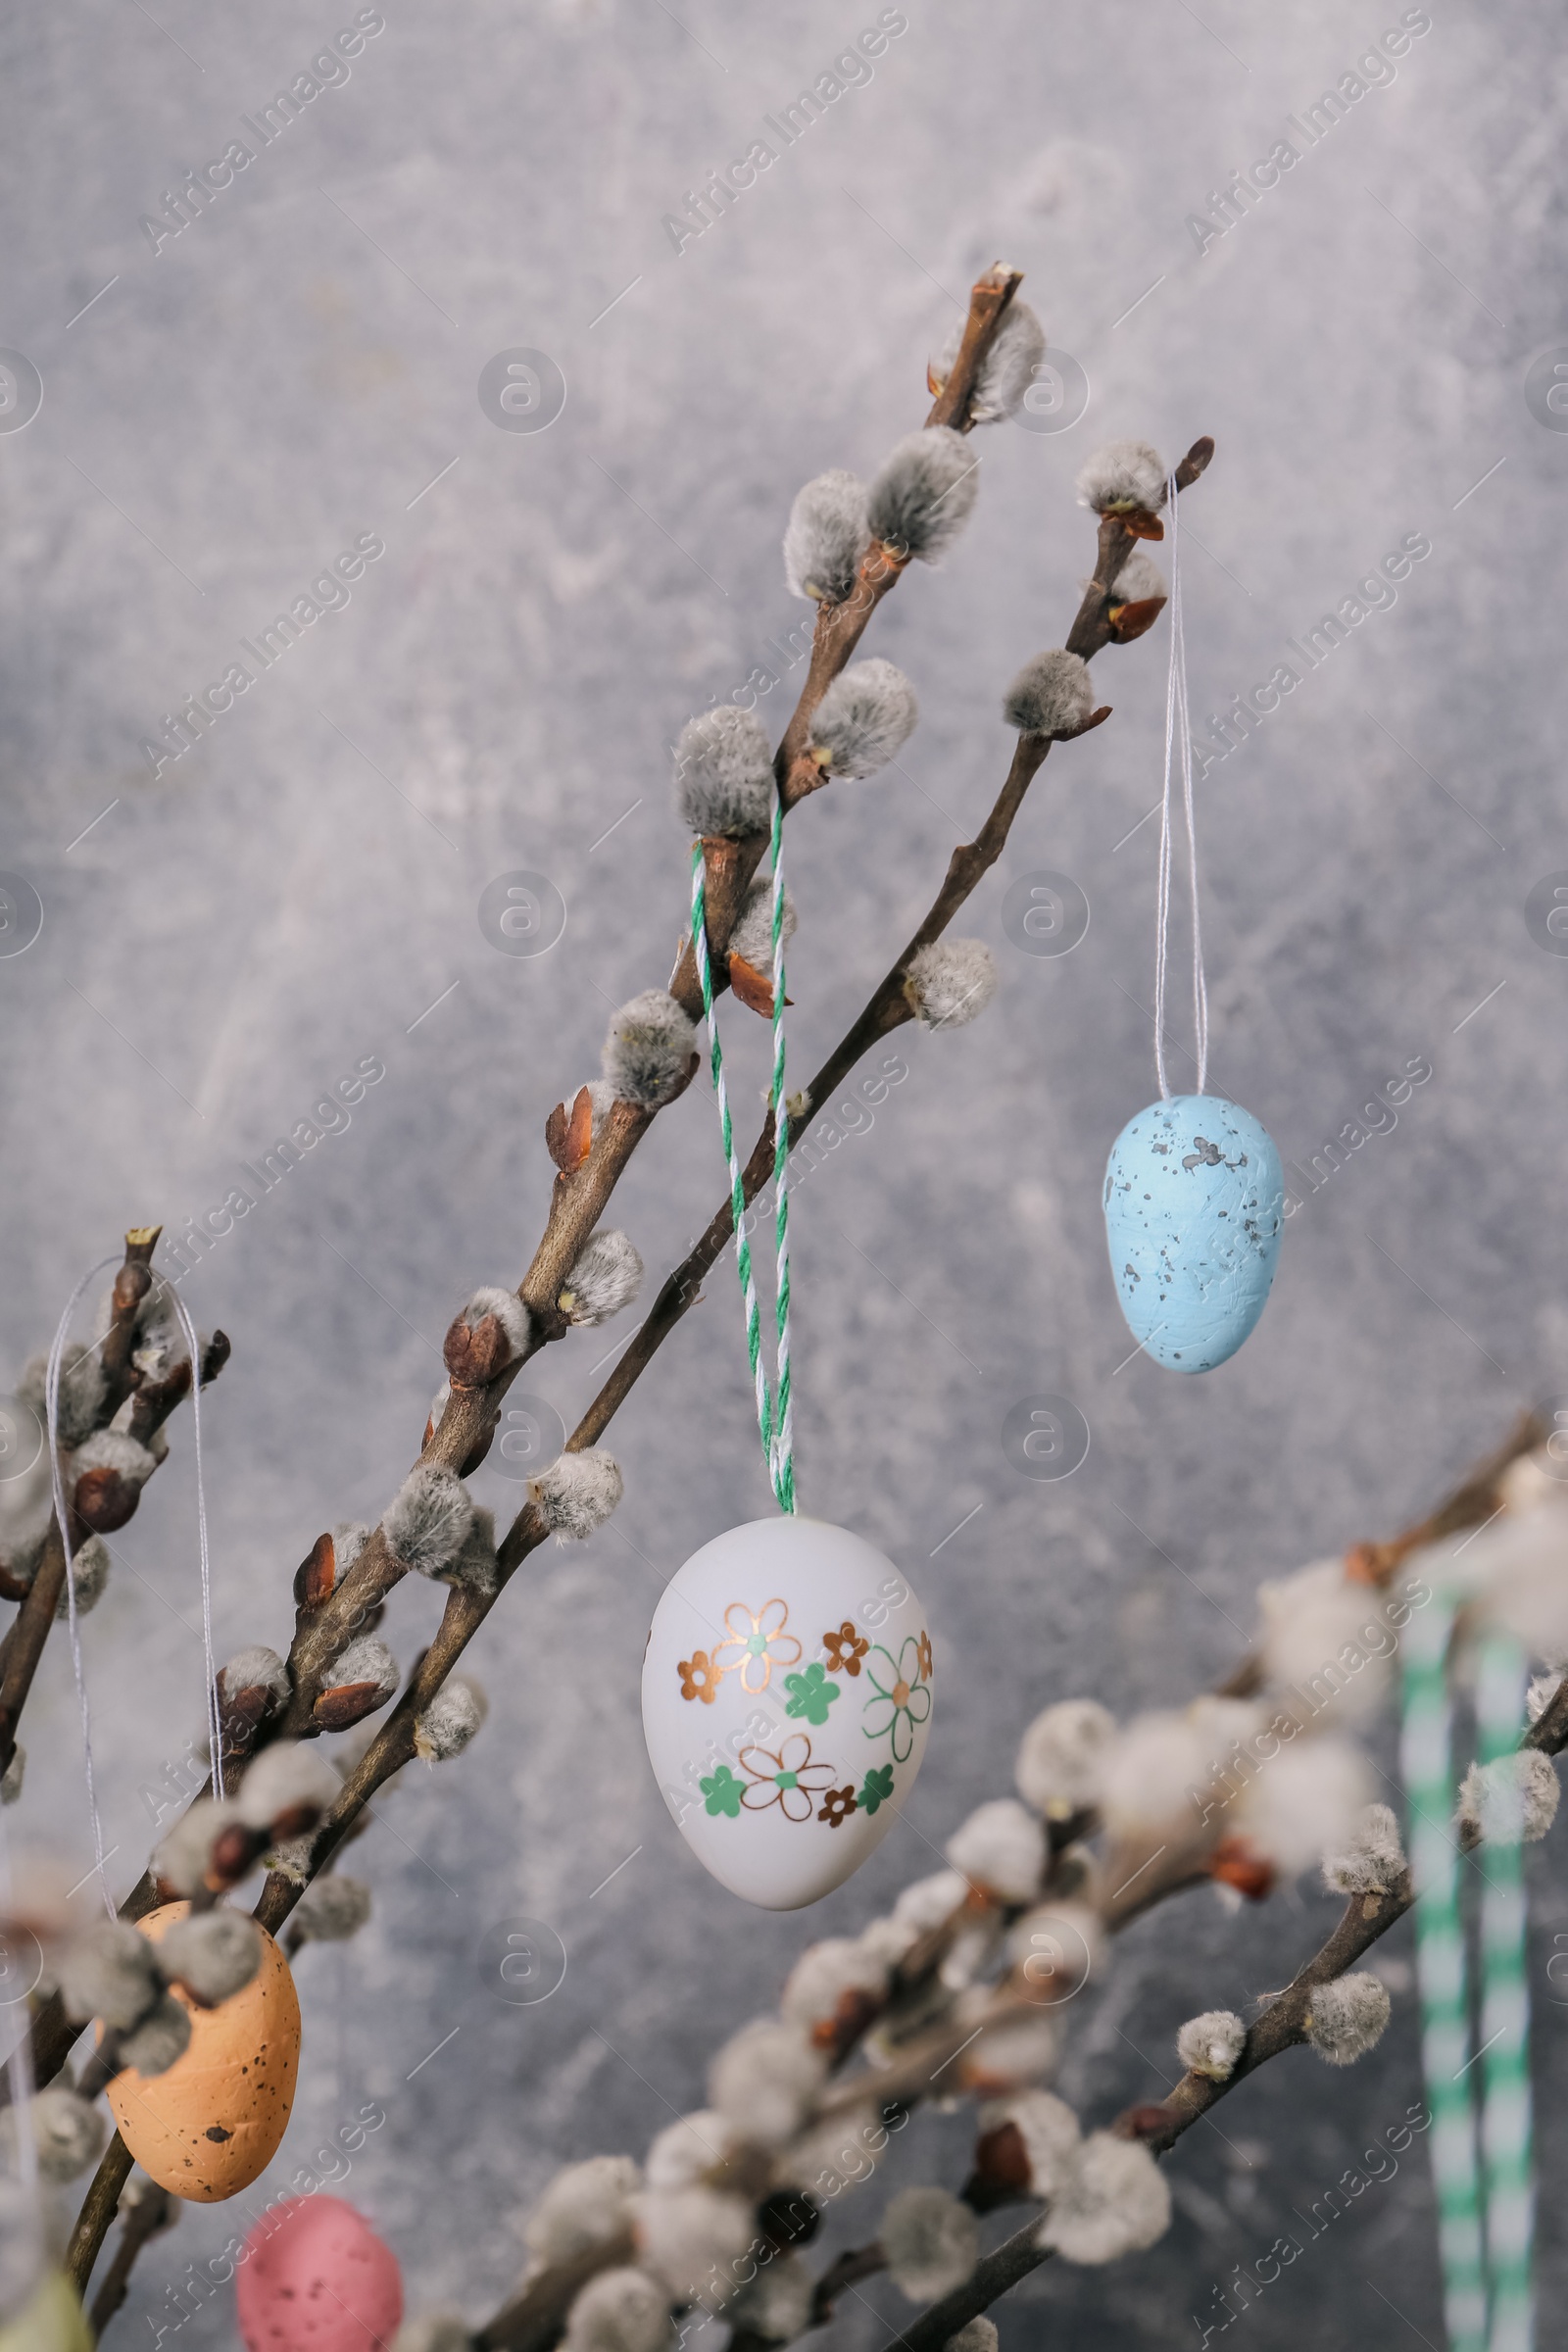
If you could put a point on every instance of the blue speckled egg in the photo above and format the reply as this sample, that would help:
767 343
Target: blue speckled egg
1195 1207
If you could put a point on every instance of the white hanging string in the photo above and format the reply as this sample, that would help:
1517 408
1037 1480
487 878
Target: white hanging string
19 2063
52 1407
23 2217
1178 731
215 1729
62 1521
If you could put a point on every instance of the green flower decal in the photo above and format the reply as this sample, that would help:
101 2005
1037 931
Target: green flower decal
810 1693
724 1792
900 1686
878 1789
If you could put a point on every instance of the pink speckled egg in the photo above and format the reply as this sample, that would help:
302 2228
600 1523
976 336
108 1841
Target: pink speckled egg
315 2277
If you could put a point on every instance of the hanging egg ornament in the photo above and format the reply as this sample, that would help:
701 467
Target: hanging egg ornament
315 2277
213 2122
1195 1208
786 1705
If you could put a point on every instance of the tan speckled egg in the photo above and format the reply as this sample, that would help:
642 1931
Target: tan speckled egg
207 2127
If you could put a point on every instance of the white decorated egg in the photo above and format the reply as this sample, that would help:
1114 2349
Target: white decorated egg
786 1704
1195 1207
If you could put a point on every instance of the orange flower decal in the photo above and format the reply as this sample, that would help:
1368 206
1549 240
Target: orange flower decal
698 1677
837 1806
845 1649
925 1660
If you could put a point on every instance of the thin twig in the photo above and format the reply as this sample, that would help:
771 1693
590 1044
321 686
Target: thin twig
97 2214
153 2212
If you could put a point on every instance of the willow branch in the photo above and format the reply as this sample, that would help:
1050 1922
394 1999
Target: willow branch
888 1007
533 2320
990 2280
885 1010
97 2214
988 304
23 1644
151 2213
578 1200
1475 1499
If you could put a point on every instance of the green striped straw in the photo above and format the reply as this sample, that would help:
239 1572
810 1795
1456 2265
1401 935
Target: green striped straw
776 1416
1505 2011
1484 2217
1427 1763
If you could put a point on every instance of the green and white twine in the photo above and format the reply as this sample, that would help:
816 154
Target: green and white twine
1485 2194
774 1410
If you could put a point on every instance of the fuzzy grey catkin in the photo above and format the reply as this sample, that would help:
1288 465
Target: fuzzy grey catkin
979 2336
619 2311
160 2041
864 719
607 1277
1212 2043
475 1564
365 1660
724 772
332 1909
67 2132
110 1972
1515 1796
256 1668
1114 2200
1057 1770
950 983
694 2240
15 1773
113 1450
89 1572
451 1720
428 1520
577 1493
1139 579
930 2242
1371 1859
925 492
1052 695
648 1052
1347 2018
763 2083
1001 1848
181 1859
508 1311
582 2206
753 935
283 1778
81 1394
1123 478
349 1538
22 1547
775 2306
827 534
1048 2129
159 1343
1008 367
214 1954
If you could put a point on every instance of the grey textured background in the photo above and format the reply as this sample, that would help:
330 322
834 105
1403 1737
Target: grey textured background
291 896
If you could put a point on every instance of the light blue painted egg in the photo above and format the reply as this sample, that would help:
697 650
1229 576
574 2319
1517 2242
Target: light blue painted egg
1195 1207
